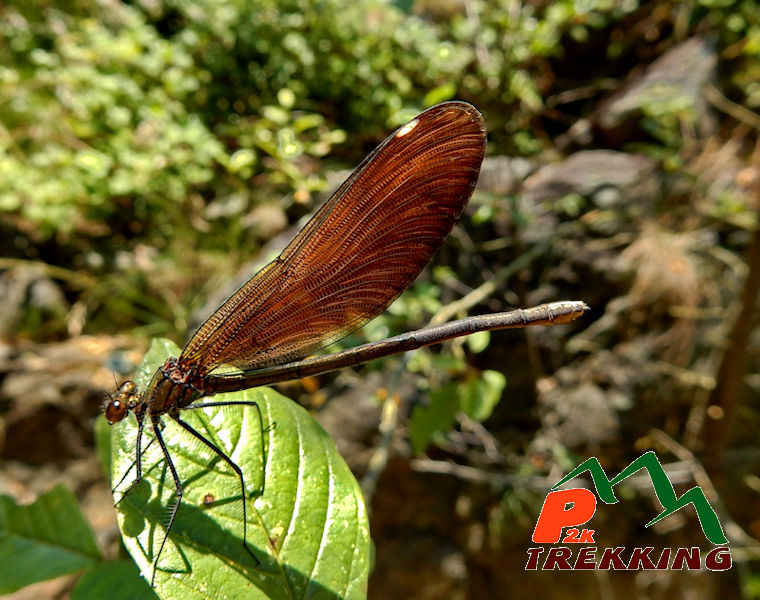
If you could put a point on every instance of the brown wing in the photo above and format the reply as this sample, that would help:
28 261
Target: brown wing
363 247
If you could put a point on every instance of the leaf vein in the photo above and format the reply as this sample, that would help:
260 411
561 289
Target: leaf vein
328 510
357 531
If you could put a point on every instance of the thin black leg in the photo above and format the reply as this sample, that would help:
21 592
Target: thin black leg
138 457
178 487
234 466
138 462
261 420
129 470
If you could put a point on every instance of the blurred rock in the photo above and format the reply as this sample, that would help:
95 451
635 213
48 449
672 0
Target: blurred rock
24 289
13 286
502 175
575 416
46 296
621 186
622 177
673 84
674 79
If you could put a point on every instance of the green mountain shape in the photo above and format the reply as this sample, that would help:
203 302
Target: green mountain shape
671 503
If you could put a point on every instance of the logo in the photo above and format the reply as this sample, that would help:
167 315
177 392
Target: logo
565 512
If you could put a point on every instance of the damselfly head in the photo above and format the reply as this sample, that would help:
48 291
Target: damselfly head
119 404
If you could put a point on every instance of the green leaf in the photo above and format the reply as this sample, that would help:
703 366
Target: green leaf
477 342
476 397
522 86
308 525
480 396
439 94
437 416
115 580
46 539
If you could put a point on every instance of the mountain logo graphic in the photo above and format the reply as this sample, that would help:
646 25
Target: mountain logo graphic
566 511
567 508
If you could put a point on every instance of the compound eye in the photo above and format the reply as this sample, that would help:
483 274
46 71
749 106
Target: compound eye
128 388
115 411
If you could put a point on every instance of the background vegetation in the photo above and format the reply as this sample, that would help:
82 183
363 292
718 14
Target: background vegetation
149 150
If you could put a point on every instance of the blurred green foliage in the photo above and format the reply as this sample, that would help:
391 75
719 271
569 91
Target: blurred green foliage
147 111
476 398
101 110
94 112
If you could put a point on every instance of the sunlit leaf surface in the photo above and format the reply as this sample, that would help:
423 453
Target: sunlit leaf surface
307 524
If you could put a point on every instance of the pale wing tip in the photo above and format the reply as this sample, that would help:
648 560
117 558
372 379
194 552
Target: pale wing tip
461 107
